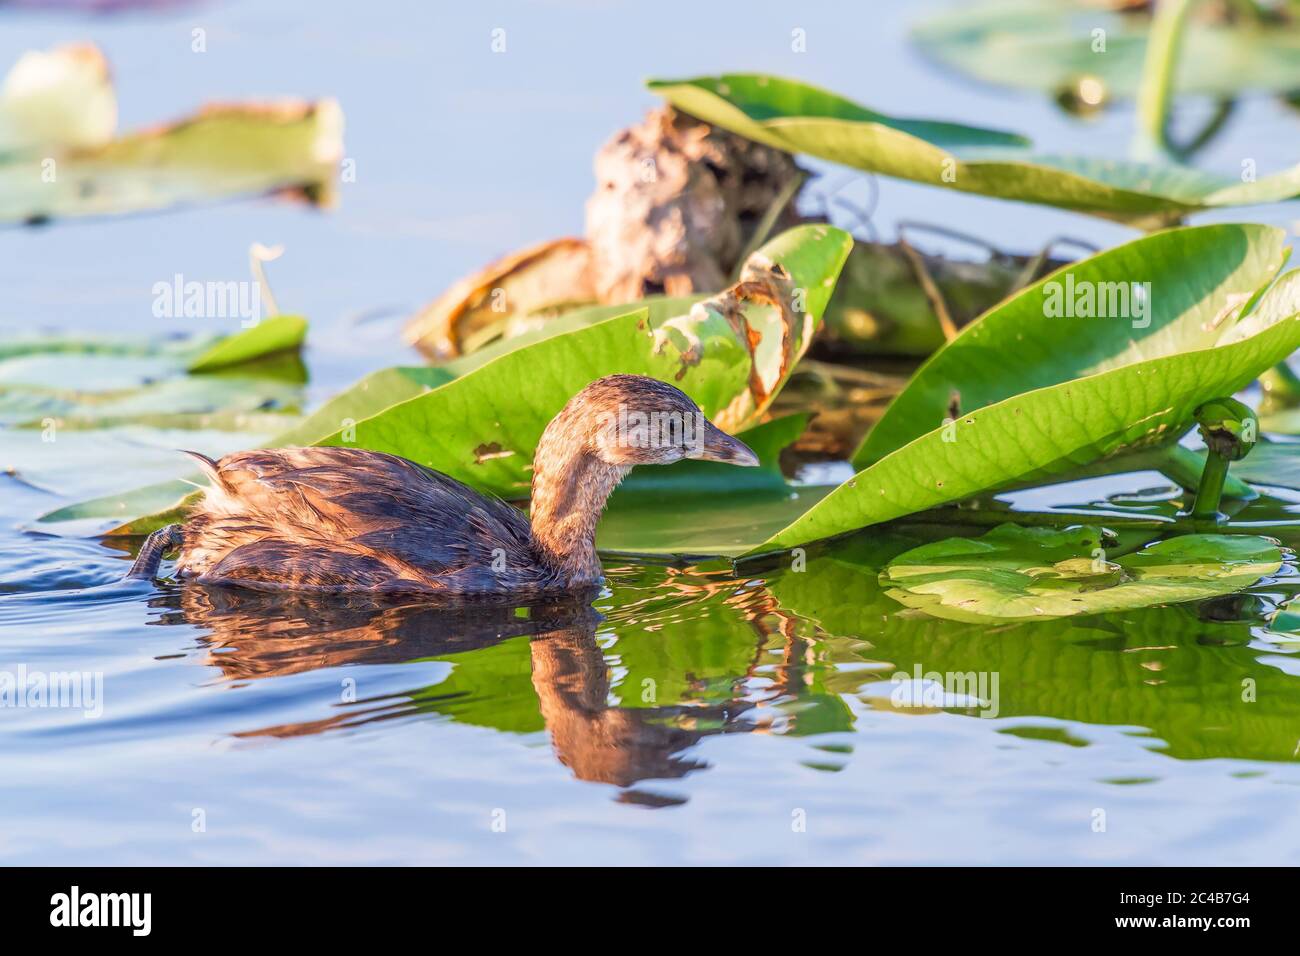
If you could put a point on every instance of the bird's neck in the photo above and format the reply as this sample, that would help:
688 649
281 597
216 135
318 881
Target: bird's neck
570 488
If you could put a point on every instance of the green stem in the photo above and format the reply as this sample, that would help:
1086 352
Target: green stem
1155 93
1210 491
1185 468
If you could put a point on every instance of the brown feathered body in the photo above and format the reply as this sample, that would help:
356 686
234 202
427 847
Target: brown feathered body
345 519
335 519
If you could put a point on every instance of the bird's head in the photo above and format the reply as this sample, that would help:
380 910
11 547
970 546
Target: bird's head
628 420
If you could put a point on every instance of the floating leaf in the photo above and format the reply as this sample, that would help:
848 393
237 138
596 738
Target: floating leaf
1169 670
1050 45
124 393
801 118
280 333
1013 572
1286 621
57 158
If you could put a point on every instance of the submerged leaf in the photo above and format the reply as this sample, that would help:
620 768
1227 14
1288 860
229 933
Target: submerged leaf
1013 572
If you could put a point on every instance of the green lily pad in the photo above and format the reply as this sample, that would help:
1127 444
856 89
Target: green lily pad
800 118
1172 671
1013 572
58 156
112 382
273 336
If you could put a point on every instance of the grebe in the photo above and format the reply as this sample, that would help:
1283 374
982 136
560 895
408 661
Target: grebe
330 519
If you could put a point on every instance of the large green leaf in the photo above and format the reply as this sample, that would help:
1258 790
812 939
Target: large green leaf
1195 275
730 354
1012 573
378 390
1050 45
1052 432
800 118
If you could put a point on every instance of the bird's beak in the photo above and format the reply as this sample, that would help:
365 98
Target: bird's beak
719 446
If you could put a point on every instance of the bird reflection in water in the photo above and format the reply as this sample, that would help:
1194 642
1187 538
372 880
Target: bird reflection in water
252 636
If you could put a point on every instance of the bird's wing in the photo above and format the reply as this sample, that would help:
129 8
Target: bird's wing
349 501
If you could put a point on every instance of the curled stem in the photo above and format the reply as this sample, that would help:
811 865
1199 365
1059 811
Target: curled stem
1155 94
1230 430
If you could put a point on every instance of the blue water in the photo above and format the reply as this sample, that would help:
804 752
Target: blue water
306 734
